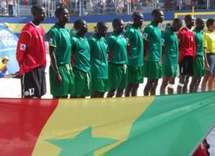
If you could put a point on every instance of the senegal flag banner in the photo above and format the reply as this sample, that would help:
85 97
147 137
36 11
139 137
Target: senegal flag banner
141 126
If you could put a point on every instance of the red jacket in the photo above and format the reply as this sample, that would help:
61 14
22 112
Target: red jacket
30 52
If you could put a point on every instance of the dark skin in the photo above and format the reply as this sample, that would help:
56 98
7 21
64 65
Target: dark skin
184 79
208 79
195 79
118 27
176 25
133 87
38 15
62 17
81 29
151 84
101 31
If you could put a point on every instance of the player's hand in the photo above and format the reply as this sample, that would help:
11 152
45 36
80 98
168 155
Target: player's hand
207 67
59 78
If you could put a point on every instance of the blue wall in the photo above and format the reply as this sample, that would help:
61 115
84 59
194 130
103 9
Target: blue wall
91 19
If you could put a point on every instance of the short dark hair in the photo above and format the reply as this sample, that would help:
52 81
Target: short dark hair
178 20
115 21
210 22
36 8
101 24
78 22
137 15
188 17
156 12
59 10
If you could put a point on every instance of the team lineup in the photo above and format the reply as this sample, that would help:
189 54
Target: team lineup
116 63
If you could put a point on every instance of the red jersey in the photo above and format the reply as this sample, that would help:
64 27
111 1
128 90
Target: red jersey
201 151
30 52
187 44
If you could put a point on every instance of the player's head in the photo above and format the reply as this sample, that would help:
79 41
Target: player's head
62 14
210 24
5 59
80 26
158 15
38 13
176 24
101 29
199 24
118 25
189 21
137 19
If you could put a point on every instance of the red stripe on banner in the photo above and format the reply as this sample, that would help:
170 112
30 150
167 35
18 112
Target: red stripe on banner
21 121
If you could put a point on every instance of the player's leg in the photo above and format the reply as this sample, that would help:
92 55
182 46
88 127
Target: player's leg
164 85
154 87
171 86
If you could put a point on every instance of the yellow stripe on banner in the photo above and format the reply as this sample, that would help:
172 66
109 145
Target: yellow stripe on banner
17 27
177 14
108 118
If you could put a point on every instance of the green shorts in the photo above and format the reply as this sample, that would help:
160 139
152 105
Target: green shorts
67 84
118 76
198 66
170 70
82 83
99 85
152 70
135 74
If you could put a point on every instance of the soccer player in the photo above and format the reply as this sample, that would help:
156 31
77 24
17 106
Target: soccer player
118 59
99 61
153 46
31 56
81 60
135 54
61 74
209 45
198 65
170 56
187 53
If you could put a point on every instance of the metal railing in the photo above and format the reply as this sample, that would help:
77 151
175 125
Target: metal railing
101 7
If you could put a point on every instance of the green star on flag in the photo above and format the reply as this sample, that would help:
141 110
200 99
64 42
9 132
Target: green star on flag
84 144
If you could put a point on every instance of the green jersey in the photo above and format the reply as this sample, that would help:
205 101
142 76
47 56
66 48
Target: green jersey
117 46
99 57
135 51
199 42
152 34
60 38
81 53
171 47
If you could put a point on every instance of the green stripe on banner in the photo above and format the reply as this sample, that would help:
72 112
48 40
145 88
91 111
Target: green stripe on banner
171 126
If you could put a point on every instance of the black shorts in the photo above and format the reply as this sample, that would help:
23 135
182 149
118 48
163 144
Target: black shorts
186 66
33 83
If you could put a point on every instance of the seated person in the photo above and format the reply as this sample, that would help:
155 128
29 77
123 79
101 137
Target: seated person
3 67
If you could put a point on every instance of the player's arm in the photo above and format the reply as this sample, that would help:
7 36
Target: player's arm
205 39
195 46
181 43
164 43
22 47
73 50
128 36
110 43
146 34
52 48
91 44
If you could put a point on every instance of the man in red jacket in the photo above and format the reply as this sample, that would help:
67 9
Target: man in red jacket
31 56
187 53
202 149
